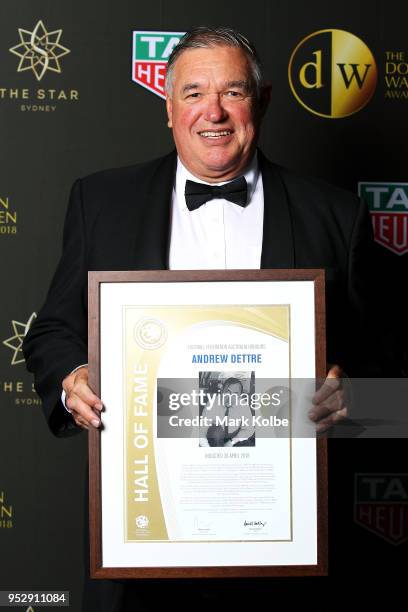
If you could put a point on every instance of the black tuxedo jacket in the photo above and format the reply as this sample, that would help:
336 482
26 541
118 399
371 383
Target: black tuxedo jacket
119 220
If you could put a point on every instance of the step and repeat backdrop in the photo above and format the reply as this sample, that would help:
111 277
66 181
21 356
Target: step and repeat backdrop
81 89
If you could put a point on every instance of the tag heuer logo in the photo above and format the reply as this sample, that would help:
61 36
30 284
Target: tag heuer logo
150 53
381 505
388 203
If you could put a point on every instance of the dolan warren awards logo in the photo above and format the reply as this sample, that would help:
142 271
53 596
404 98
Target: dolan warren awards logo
332 73
150 53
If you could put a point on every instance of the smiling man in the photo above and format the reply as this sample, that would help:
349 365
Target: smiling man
214 203
217 203
214 111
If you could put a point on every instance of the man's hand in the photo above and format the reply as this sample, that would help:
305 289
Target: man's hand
84 405
329 401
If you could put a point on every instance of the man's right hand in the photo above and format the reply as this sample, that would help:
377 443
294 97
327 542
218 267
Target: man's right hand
81 401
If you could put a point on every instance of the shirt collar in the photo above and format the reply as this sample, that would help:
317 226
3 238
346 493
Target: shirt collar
182 175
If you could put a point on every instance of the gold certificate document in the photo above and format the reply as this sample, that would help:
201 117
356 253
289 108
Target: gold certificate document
202 463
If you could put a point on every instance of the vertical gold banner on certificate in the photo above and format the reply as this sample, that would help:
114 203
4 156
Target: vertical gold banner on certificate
148 333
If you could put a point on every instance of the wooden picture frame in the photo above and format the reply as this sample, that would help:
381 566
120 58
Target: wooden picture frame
163 281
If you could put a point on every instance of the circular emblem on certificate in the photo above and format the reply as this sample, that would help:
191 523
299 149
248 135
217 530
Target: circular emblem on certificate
150 333
142 521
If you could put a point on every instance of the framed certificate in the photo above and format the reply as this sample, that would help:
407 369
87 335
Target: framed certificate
206 463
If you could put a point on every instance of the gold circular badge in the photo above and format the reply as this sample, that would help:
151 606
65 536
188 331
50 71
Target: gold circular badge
142 522
332 73
150 333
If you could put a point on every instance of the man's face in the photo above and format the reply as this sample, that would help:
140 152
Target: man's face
214 112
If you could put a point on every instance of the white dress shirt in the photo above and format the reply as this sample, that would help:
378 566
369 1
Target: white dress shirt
220 235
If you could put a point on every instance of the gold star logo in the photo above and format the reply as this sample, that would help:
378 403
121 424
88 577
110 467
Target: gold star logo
39 50
15 342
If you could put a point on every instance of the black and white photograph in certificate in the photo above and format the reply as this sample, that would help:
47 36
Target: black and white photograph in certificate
226 416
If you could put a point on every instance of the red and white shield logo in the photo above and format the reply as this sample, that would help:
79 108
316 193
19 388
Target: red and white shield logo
381 505
150 52
388 204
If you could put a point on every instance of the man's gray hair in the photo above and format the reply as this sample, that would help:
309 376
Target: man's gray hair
203 37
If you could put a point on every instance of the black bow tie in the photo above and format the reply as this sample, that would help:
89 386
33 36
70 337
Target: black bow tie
198 194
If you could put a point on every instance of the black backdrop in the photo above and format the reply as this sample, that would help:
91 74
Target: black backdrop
111 121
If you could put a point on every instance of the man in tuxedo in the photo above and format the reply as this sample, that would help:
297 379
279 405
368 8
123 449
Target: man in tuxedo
216 202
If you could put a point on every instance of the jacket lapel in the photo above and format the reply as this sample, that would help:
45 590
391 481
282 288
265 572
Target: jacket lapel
152 240
277 243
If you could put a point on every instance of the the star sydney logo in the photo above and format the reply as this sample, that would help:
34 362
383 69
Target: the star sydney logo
39 50
150 53
15 342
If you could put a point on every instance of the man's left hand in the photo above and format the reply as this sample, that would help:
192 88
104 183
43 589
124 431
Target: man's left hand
329 405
